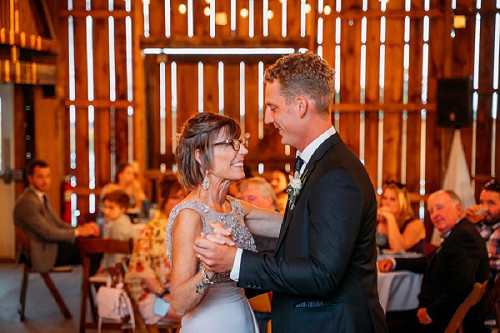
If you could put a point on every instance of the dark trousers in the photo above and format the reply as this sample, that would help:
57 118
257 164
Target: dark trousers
407 322
68 254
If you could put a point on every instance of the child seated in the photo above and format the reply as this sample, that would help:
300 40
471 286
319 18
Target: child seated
117 224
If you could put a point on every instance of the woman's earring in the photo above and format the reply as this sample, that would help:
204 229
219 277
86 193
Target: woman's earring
205 184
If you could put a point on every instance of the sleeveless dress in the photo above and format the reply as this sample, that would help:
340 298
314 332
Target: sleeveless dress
383 240
224 307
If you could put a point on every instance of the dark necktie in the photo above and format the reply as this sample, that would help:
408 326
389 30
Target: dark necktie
45 202
298 165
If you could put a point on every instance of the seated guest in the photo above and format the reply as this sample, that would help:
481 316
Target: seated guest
117 224
52 240
449 272
487 217
127 182
397 227
279 183
149 270
258 192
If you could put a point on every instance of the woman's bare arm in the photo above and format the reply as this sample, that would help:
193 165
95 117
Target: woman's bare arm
186 284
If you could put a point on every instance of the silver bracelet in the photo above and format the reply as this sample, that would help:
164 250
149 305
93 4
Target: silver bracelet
204 277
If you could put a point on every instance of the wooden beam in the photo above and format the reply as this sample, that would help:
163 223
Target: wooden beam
100 104
48 19
95 13
26 72
389 107
389 14
29 41
257 42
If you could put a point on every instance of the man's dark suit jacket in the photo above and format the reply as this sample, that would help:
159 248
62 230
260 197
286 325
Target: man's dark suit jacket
323 273
450 271
43 228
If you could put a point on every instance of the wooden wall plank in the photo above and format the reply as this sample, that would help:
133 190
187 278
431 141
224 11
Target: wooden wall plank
82 156
210 87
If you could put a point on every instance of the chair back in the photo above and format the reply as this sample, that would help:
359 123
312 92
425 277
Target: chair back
25 249
104 245
492 296
88 247
472 299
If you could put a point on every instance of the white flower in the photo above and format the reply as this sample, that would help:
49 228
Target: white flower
295 183
293 190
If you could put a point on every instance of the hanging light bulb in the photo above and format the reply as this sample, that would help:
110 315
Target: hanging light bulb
327 10
182 8
244 12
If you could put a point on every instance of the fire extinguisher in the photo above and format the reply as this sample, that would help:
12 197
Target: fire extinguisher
68 190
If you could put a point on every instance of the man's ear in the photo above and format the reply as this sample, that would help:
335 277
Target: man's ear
301 104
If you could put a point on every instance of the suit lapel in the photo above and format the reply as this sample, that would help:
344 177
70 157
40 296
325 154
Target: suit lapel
315 158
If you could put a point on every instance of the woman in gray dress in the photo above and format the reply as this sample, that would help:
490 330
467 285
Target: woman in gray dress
210 156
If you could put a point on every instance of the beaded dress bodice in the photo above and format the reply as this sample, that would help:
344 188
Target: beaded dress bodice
234 220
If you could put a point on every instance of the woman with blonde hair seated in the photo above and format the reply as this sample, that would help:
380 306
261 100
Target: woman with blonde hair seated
397 228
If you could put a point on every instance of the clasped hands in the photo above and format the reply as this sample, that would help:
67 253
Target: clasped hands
384 214
217 250
88 229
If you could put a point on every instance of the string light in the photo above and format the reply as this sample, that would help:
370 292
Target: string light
182 9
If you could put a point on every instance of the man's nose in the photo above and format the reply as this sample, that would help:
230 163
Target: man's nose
268 119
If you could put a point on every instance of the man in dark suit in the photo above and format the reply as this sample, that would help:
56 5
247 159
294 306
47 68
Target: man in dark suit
323 273
449 272
52 240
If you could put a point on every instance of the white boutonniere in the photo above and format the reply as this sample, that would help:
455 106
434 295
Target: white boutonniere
294 187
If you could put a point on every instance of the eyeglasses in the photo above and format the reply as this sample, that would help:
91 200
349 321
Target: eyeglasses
492 185
236 143
392 182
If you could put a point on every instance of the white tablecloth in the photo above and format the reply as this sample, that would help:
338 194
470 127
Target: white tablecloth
398 291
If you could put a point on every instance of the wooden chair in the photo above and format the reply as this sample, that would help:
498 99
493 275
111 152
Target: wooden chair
87 248
140 324
25 248
262 303
491 300
456 322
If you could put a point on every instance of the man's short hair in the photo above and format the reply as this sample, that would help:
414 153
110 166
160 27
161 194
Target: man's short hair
492 185
265 188
304 74
36 163
452 194
119 197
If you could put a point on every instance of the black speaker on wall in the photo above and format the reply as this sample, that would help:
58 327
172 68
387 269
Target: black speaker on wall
455 102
